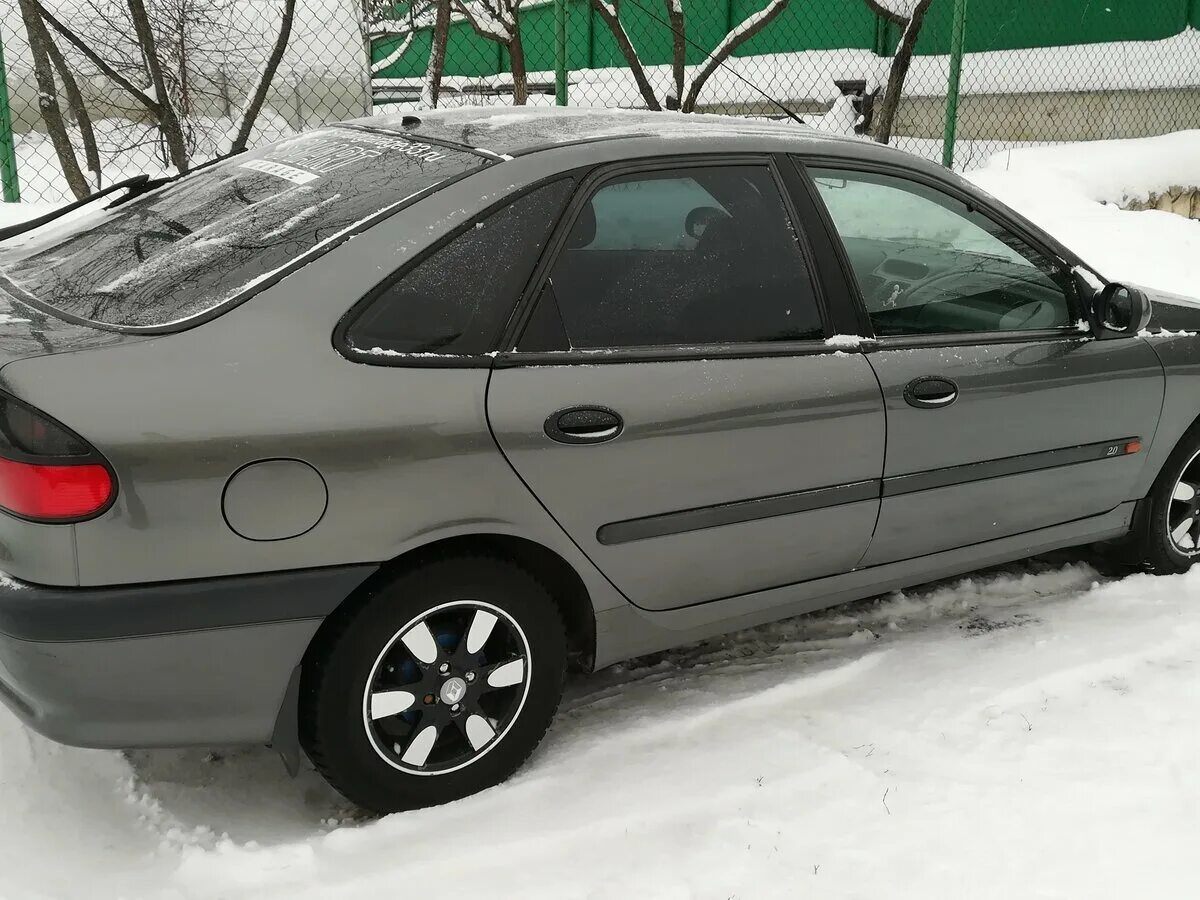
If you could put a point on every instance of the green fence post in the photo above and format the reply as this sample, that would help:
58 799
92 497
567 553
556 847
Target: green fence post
560 52
956 55
11 188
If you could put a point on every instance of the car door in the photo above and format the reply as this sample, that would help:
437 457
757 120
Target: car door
671 398
1004 415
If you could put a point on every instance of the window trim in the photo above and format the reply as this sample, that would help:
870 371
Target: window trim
1007 219
510 356
340 337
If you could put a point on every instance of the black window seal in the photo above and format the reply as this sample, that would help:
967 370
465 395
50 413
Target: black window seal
401 359
258 286
509 355
1021 227
670 353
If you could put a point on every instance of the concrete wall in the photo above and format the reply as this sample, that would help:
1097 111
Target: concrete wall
1079 116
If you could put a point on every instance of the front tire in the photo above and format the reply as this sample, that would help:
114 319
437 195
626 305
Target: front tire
1169 532
434 686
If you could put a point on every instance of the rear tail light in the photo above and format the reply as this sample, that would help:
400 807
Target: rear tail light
47 472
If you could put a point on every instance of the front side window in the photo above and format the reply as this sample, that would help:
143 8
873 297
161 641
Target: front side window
702 255
191 246
927 264
458 299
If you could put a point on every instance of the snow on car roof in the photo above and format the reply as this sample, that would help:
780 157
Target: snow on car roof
509 130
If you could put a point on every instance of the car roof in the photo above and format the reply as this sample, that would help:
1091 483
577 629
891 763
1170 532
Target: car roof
513 131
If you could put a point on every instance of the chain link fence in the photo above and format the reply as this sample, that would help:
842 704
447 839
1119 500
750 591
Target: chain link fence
1026 73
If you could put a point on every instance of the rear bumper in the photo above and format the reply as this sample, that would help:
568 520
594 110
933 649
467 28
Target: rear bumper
161 665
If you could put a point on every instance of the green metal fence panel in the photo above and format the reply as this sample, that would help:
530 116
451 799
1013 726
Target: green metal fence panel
467 54
808 25
1016 24
538 38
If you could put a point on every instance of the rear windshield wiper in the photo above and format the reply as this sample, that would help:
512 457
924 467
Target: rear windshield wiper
139 184
133 187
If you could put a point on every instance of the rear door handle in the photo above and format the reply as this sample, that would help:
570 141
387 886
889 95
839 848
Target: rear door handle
584 425
930 392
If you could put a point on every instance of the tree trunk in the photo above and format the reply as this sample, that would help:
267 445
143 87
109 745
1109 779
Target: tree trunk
516 54
258 96
437 53
749 27
43 70
885 118
87 134
168 119
678 50
611 17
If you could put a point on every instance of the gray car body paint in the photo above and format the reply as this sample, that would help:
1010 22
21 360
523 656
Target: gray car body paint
415 454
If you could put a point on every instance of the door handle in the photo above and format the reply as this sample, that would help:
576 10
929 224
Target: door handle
930 392
584 425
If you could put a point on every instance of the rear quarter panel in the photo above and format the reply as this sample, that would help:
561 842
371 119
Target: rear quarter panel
405 451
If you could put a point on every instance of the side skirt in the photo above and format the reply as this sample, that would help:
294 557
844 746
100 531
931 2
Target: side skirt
627 631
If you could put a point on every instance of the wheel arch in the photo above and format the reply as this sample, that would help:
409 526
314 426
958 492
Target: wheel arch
564 584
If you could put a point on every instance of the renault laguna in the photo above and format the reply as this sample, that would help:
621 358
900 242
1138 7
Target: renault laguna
355 444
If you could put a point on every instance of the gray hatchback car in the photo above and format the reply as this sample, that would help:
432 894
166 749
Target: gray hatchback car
357 442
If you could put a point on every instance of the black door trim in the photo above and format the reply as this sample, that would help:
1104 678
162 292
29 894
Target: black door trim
735 513
741 511
1009 465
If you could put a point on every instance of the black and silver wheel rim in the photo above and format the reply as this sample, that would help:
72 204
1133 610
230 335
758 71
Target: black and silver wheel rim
1183 513
447 687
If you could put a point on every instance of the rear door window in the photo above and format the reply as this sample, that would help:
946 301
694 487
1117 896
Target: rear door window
691 256
209 238
456 301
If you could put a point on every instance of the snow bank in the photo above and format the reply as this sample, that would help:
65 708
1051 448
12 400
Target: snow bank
1074 192
1028 733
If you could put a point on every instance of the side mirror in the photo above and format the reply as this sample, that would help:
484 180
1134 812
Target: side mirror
1120 311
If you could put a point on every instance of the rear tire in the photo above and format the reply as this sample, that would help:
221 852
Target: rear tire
435 686
1168 534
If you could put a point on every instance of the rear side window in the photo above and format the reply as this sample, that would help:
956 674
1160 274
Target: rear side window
187 248
703 255
457 300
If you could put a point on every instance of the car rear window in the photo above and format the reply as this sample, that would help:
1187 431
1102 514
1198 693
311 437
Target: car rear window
198 243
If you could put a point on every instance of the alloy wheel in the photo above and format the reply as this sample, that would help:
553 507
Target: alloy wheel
447 687
1183 513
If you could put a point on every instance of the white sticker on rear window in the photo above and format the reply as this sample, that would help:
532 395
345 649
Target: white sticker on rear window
291 173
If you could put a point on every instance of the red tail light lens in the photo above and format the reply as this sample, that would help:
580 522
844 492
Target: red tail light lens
47 472
53 493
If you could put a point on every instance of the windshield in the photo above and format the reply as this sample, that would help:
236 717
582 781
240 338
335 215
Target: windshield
202 241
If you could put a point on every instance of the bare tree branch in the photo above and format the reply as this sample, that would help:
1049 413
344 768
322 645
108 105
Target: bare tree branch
87 134
258 95
39 41
437 53
678 50
498 21
105 69
168 120
609 11
749 27
885 118
885 12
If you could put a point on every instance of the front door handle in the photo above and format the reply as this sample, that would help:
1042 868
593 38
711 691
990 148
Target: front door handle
584 425
930 392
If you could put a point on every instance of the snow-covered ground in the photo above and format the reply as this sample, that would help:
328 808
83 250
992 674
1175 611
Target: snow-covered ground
1032 731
